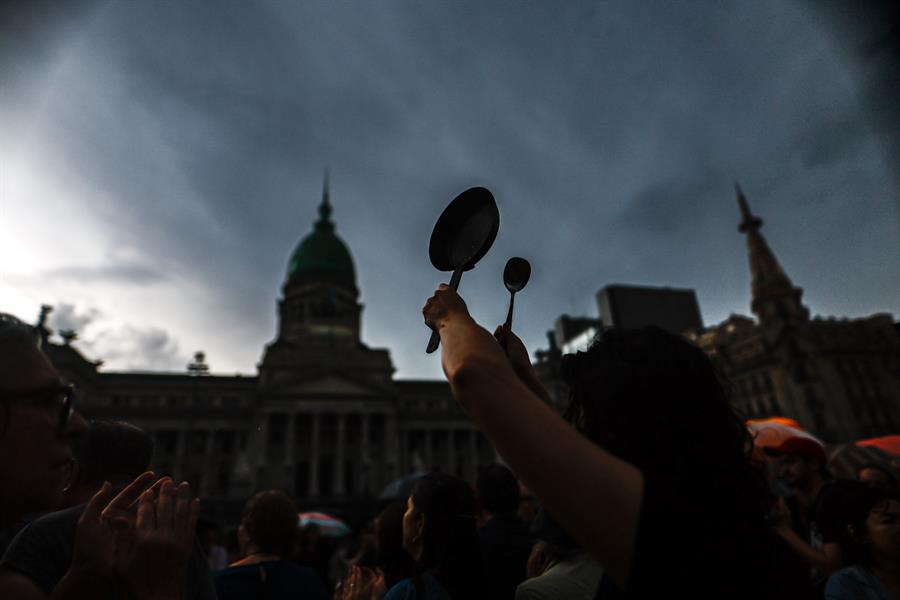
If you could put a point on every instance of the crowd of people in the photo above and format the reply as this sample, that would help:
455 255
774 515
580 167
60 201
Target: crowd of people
647 486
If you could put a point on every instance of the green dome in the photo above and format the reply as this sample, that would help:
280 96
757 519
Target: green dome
322 252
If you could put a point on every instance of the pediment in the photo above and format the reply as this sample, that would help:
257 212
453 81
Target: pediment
326 385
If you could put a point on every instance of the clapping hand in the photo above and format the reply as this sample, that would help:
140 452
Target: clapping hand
140 541
101 528
153 565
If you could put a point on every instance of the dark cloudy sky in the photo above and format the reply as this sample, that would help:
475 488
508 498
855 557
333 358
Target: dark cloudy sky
161 160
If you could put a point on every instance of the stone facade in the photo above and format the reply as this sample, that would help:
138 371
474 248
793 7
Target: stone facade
839 378
323 418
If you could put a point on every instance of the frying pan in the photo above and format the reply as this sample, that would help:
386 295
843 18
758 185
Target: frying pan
462 235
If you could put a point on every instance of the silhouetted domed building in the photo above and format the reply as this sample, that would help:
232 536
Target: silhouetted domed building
322 254
323 419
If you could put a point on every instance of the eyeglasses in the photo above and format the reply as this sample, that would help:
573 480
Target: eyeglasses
61 396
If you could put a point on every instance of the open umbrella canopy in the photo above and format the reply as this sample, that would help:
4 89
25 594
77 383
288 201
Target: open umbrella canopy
401 488
846 460
328 525
887 443
773 432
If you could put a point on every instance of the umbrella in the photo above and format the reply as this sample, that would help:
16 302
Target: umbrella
328 525
846 460
401 488
889 444
771 433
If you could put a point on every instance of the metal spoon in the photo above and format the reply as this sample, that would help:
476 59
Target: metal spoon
515 276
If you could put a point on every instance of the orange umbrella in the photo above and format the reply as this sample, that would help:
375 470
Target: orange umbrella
771 433
847 459
888 443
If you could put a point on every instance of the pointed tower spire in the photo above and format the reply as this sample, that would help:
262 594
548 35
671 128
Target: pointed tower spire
324 223
748 220
774 295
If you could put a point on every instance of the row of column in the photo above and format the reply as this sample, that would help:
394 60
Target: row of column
338 488
179 468
392 438
470 448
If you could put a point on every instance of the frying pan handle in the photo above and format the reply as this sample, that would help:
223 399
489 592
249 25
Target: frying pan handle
435 340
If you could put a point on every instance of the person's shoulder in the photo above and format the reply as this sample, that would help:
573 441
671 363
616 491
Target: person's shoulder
67 517
234 571
849 582
298 571
402 590
530 589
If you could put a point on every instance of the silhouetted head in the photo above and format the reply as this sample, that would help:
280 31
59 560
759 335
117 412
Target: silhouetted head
871 520
801 463
439 531
268 524
877 476
391 558
113 451
38 424
655 400
498 489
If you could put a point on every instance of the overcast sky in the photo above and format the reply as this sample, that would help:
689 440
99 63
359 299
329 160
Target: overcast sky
161 160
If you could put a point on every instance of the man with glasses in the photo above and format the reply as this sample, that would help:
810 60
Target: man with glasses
38 424
143 535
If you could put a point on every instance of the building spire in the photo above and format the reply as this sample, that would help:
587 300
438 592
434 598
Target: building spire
774 295
324 223
748 220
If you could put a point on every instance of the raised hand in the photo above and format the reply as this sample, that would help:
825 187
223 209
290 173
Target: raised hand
95 541
444 304
155 562
123 508
517 355
100 536
515 350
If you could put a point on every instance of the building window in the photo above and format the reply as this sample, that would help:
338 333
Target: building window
166 441
197 442
376 429
301 478
224 441
277 425
223 480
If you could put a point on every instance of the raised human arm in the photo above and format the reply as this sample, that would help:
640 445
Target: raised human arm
828 559
595 495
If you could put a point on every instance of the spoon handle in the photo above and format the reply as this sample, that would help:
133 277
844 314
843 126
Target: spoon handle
435 340
508 324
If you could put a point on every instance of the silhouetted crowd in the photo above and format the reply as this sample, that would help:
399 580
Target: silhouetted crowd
648 486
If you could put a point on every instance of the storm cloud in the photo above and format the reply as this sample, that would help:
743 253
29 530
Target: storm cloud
162 160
